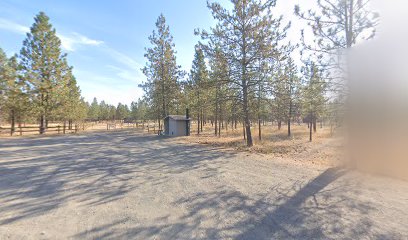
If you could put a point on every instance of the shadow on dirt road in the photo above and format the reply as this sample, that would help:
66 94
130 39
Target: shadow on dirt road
127 185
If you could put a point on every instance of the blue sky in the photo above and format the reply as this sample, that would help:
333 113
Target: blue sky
106 39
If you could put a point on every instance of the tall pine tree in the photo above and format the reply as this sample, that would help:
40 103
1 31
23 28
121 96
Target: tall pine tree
246 34
314 99
162 87
42 66
198 86
15 100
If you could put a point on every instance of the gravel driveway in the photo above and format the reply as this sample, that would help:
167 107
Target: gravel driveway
127 185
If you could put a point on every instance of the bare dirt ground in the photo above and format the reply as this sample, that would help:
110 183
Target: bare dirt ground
128 185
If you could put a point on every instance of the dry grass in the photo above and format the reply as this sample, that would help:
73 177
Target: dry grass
324 150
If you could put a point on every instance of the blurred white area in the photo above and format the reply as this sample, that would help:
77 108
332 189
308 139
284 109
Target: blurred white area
378 72
379 68
393 13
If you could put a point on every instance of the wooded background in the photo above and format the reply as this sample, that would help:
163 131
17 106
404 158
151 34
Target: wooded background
243 72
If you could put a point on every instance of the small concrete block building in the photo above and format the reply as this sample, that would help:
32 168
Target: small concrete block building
177 125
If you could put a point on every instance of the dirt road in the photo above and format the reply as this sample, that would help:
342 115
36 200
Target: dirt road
126 185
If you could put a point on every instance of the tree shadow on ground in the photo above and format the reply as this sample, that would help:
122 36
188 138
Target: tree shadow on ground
41 174
324 208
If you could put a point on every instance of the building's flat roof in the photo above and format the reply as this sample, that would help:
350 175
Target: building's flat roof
178 117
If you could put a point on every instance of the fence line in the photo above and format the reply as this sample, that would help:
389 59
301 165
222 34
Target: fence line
58 128
82 126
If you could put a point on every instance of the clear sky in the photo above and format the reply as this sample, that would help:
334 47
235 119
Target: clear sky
106 39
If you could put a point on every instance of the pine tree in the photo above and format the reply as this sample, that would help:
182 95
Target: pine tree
162 87
42 67
337 25
313 95
293 91
105 111
219 82
15 100
74 105
122 112
3 83
94 110
110 112
278 103
286 92
199 86
69 105
246 34
139 110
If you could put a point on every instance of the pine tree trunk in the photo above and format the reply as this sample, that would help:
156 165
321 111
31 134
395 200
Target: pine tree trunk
42 124
310 127
198 124
20 127
202 121
243 129
244 81
259 130
314 125
246 116
289 130
13 122
248 132
219 127
216 122
289 117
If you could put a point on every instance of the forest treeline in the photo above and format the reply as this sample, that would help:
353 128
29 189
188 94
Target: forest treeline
101 111
243 71
37 85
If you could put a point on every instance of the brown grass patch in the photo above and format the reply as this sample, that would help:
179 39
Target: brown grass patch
324 150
